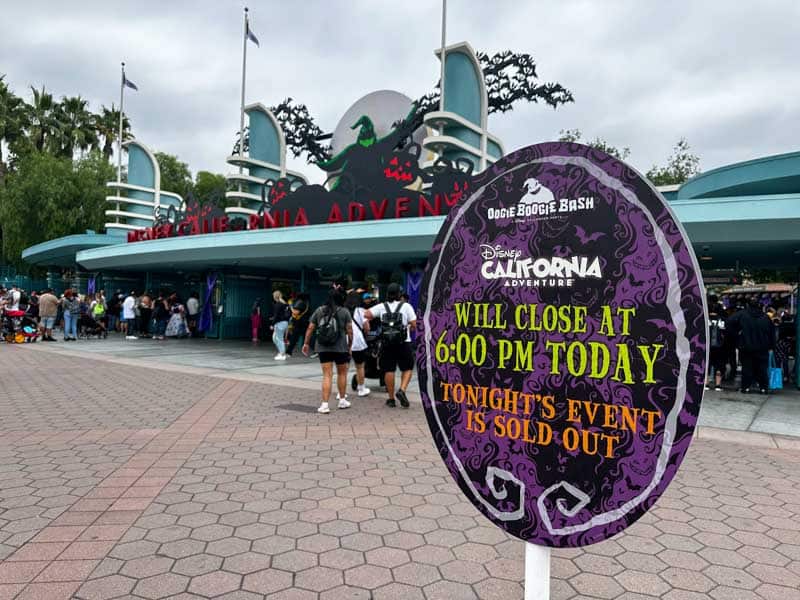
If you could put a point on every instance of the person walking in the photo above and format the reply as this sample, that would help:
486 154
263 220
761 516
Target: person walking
72 311
14 297
334 328
716 342
397 319
280 322
129 316
161 315
145 314
297 324
48 311
756 339
193 312
360 329
255 321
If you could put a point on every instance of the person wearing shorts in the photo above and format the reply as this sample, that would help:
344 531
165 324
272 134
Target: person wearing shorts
401 355
354 306
48 311
336 352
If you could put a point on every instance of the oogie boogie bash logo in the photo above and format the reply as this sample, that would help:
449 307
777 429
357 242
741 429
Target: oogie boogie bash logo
539 201
518 271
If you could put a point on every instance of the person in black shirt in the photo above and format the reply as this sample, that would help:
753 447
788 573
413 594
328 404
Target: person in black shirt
756 339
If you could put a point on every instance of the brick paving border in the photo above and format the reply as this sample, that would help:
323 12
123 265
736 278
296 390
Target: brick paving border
62 555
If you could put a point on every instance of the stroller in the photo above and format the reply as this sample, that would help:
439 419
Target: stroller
371 366
18 328
88 328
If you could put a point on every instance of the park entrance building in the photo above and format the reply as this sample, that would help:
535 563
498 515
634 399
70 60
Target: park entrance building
378 213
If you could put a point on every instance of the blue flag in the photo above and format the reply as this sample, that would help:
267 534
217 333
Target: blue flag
252 36
128 83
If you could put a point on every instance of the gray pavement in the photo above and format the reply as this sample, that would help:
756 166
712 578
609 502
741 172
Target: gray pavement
121 480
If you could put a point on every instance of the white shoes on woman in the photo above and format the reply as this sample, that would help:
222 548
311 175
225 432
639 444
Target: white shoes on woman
280 356
324 409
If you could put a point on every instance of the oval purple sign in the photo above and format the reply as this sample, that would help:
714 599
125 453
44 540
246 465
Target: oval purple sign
563 347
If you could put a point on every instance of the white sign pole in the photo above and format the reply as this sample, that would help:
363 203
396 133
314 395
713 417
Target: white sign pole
537 572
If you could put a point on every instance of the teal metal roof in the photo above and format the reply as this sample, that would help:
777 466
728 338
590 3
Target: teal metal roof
61 252
361 244
779 174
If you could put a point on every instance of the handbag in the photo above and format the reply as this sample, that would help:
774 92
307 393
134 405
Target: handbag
775 373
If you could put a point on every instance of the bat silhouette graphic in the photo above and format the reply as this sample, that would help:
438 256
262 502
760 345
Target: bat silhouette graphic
585 237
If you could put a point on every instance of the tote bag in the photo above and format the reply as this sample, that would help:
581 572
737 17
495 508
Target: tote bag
775 374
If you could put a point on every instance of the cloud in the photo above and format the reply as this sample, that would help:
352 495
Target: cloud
644 75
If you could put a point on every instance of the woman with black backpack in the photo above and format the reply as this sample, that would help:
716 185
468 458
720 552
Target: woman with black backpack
334 328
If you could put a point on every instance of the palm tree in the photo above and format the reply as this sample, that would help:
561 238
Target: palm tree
43 124
106 123
75 126
12 117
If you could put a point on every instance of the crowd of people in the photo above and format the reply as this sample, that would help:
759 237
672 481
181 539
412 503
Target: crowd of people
351 326
376 336
134 315
746 336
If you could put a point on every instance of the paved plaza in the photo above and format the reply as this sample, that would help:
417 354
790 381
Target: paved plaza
213 477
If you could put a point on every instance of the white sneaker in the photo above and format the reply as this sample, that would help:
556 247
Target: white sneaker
363 391
280 357
343 403
323 409
131 337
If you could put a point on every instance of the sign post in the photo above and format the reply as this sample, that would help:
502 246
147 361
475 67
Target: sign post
537 572
563 347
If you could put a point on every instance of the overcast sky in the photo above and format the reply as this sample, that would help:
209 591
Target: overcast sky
723 74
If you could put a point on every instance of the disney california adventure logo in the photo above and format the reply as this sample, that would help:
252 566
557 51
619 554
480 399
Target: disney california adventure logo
509 265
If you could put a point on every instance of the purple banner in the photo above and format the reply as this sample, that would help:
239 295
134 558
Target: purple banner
563 347
206 315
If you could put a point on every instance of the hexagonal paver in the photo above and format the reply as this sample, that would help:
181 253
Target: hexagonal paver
596 586
475 552
640 582
319 579
368 576
228 546
294 561
112 586
199 564
398 591
684 579
131 550
146 566
247 562
731 577
416 574
404 540
341 558
182 548
213 532
215 584
318 543
449 590
267 581
161 586
361 541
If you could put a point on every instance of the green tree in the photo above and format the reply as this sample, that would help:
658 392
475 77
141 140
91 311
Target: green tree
681 166
76 128
47 197
13 119
209 188
575 135
42 119
175 175
106 123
